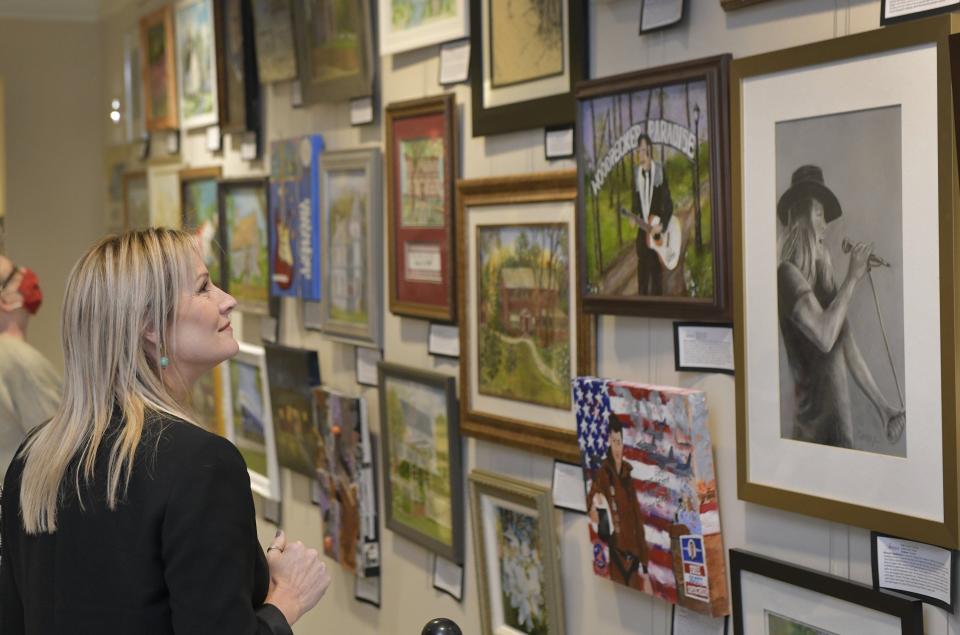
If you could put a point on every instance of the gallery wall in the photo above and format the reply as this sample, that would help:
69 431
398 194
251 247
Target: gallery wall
629 348
54 127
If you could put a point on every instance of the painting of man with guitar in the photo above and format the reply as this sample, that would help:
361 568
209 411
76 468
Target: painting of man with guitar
658 236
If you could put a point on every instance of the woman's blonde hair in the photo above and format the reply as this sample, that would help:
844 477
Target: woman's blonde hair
123 288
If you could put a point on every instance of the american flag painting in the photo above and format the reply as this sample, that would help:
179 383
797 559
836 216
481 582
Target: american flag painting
652 493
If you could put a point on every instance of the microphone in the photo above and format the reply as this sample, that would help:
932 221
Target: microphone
874 260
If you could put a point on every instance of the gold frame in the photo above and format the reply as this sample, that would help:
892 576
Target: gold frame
526 435
538 500
935 30
172 120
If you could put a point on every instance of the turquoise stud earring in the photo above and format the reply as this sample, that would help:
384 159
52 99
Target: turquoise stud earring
164 361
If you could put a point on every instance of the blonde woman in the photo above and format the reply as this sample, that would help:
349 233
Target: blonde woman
119 515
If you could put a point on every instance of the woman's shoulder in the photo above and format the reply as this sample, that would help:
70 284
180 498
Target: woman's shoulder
182 445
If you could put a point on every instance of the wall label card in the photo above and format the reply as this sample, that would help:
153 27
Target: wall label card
558 142
703 347
892 11
214 139
367 359
367 590
444 340
361 111
683 621
448 577
455 62
914 568
568 491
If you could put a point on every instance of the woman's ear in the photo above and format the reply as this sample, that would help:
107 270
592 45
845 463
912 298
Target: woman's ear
151 334
8 304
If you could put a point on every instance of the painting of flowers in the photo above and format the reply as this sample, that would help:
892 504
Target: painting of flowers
521 572
517 554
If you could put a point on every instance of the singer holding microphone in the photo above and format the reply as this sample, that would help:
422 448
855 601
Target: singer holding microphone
812 310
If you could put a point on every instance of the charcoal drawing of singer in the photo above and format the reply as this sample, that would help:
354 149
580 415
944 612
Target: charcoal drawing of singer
813 310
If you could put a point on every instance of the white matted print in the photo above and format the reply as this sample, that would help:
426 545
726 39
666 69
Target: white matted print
197 84
538 82
779 111
249 422
411 24
548 405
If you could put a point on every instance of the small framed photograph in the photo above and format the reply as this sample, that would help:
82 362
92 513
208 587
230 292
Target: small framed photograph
517 556
770 596
893 11
422 458
914 568
703 347
351 228
249 419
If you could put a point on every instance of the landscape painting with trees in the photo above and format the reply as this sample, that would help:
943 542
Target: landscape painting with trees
524 313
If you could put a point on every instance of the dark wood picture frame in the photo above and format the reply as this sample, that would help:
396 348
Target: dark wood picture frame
448 384
714 71
171 120
732 5
339 88
552 110
249 118
527 435
907 610
430 107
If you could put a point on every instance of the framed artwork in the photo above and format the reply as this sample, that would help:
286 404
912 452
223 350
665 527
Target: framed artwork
237 67
652 491
243 214
201 215
164 187
197 81
821 270
770 596
421 177
517 556
350 193
136 201
347 482
133 122
116 160
422 458
334 49
249 424
653 192
520 330
295 217
207 400
293 373
522 71
158 68
411 24
273 29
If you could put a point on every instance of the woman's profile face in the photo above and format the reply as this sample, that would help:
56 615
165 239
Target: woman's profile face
202 336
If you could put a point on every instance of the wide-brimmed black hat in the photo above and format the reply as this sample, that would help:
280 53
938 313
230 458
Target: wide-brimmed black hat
807 182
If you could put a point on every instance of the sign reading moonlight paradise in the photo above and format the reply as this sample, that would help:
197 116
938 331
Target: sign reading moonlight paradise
652 200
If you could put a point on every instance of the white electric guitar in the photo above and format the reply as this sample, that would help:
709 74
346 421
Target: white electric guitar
666 242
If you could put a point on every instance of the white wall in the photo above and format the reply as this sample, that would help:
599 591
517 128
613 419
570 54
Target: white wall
629 348
52 74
